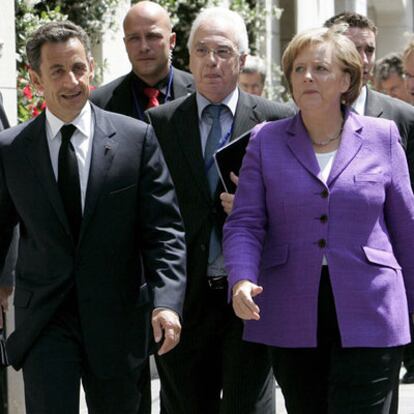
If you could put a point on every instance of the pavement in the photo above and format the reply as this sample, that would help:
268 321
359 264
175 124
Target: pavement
406 405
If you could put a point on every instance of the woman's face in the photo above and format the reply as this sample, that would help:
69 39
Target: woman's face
317 79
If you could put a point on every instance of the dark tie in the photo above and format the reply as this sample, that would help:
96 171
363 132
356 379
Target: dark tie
68 181
213 140
152 94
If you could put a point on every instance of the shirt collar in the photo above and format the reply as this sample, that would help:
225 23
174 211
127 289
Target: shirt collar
359 103
82 122
230 101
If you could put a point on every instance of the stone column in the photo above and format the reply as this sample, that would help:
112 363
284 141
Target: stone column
313 13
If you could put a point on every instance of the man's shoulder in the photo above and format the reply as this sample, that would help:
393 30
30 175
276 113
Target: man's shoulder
271 110
120 121
391 106
8 136
169 109
105 91
183 75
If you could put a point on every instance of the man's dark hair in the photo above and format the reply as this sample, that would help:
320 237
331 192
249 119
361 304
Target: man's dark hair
53 32
352 20
391 63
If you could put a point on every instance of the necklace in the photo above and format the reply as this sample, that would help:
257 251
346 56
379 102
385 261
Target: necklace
328 141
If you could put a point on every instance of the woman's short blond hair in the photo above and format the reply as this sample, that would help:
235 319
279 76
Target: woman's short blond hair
344 51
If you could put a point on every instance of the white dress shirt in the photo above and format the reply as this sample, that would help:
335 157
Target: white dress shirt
359 103
81 140
325 161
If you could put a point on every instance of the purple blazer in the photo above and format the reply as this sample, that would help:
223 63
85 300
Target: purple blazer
285 219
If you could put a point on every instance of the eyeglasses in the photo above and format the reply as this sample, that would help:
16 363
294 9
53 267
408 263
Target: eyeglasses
222 52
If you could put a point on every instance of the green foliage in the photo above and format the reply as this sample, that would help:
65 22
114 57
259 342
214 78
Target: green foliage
94 16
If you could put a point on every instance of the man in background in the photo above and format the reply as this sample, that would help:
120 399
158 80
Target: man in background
408 62
149 42
389 77
253 76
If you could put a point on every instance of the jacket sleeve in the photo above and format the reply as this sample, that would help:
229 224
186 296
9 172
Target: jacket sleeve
245 227
399 213
161 229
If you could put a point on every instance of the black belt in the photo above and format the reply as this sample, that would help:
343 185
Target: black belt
217 282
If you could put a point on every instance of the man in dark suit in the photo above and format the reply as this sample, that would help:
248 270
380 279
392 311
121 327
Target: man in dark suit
6 279
96 210
149 42
362 31
212 370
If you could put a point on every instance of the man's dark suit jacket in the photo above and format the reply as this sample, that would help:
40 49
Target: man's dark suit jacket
383 106
116 96
6 276
177 129
131 223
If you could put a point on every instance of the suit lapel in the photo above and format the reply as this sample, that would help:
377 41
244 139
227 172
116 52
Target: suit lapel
246 116
301 146
350 145
103 150
189 141
373 105
38 154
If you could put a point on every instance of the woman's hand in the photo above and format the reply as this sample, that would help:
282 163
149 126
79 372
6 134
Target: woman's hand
243 304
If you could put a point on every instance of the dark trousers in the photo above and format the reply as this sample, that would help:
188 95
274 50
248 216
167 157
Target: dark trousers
408 357
55 366
212 371
331 379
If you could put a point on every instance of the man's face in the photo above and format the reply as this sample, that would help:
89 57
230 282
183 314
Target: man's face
251 83
364 40
64 77
409 75
394 86
148 41
215 73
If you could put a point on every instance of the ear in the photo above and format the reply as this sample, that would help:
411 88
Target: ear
173 39
36 80
91 68
242 61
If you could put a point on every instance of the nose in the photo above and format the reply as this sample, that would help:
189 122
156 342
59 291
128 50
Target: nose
71 79
308 75
144 45
364 57
211 58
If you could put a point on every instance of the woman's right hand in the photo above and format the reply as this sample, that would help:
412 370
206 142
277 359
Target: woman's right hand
243 304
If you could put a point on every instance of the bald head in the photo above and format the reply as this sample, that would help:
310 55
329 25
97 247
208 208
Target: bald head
150 11
149 40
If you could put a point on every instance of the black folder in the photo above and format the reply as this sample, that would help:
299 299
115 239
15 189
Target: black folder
229 159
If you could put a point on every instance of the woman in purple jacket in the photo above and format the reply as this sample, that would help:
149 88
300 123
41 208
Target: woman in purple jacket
319 245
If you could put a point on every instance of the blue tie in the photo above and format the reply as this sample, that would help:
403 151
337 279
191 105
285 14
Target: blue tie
213 140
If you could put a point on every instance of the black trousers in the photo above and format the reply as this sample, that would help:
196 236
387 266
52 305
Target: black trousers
331 379
55 366
212 371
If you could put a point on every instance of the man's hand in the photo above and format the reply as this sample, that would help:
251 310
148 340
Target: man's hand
166 321
243 304
227 199
5 292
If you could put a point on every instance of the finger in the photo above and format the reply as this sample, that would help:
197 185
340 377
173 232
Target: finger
169 341
156 327
245 310
234 178
257 290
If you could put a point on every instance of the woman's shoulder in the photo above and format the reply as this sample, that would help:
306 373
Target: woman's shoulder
269 129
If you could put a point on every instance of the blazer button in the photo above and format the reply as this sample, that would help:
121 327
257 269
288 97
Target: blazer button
325 193
323 218
203 247
322 243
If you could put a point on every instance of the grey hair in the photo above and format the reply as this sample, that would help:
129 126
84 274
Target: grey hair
221 13
54 32
254 64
